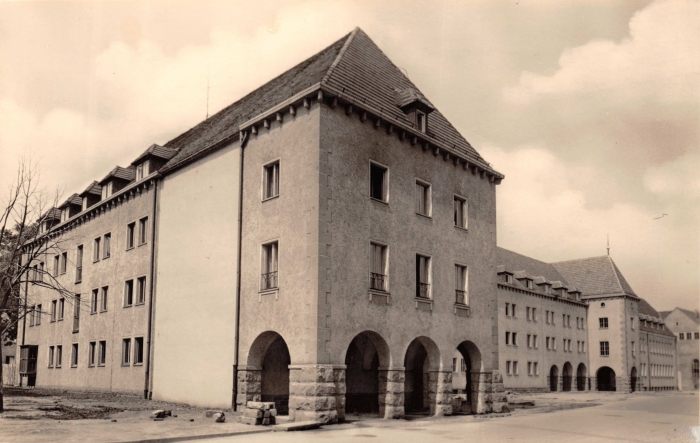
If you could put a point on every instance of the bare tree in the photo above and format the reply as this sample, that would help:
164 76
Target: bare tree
26 237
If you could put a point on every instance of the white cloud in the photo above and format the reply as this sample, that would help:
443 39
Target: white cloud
678 178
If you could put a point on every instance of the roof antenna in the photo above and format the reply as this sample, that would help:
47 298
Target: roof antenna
608 245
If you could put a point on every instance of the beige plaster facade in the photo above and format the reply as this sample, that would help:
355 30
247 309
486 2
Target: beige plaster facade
681 321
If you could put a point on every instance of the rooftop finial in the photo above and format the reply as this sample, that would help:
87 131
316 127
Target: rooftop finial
608 245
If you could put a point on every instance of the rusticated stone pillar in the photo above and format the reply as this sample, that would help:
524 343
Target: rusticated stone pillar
440 393
315 392
623 385
391 392
499 399
481 392
249 385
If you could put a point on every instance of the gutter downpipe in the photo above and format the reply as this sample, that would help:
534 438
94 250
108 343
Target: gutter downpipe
237 324
151 296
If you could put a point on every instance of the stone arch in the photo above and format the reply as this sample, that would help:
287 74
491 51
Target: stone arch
633 379
605 379
553 378
567 376
471 382
367 361
581 377
267 372
422 365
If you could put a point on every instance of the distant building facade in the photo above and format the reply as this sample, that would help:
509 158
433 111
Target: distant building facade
685 325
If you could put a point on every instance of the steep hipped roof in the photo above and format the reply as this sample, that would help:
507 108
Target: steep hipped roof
93 188
156 151
515 262
354 67
595 276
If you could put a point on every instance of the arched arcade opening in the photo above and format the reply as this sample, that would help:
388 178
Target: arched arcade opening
567 377
553 378
269 357
605 379
581 377
365 392
422 357
466 372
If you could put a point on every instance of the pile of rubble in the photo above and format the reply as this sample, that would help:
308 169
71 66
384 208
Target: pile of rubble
259 413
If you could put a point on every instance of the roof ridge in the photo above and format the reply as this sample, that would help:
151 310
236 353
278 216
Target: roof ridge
579 259
340 55
615 274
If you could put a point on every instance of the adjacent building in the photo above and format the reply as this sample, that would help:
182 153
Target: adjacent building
685 325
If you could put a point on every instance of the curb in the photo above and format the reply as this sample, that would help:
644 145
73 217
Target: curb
198 437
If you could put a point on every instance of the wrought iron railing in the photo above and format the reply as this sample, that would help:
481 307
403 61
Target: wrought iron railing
461 297
269 280
377 281
424 290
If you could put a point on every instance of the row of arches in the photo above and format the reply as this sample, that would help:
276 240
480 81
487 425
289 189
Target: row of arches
567 379
368 361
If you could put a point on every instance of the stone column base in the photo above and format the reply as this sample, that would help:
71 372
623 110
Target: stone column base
623 385
499 399
440 393
317 392
249 386
391 393
488 393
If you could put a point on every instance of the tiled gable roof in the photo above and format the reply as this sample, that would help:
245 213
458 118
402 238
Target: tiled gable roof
128 174
691 314
225 123
353 67
72 200
93 188
646 311
539 271
51 214
595 276
156 151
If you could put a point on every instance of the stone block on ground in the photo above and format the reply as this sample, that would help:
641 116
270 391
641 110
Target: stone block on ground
262 405
158 414
253 413
210 413
249 421
219 417
299 426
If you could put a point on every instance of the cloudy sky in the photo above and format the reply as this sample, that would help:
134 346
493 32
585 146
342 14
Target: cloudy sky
590 108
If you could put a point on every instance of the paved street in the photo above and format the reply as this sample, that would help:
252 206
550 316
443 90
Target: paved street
644 418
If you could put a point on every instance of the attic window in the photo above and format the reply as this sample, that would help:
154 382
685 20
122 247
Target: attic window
529 284
142 170
421 121
65 214
107 190
509 279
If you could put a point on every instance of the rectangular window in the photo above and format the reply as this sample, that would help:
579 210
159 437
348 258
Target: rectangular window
51 353
105 294
535 343
537 371
126 352
41 271
534 315
423 198
604 348
378 267
603 322
271 180
270 253
461 280
128 293
547 314
107 246
508 368
547 342
38 315
507 309
632 322
64 262
143 231
102 354
106 190
454 365
141 290
79 264
529 368
463 367
76 313
59 356
61 308
515 368
93 301
53 310
515 339
379 182
32 310
697 335
421 121
56 265
633 350
138 350
91 354
529 341
563 320
74 356
96 250
422 276
528 313
142 170
513 311
461 215
130 235
507 337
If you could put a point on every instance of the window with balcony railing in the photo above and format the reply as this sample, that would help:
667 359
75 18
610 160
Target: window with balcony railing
269 266
422 276
461 296
378 267
377 281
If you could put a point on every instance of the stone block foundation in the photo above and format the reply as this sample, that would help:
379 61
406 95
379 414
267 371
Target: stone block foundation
391 389
317 392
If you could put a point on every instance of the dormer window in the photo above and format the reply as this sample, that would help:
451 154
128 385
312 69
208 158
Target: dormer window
65 214
528 283
547 289
509 279
142 170
107 190
421 121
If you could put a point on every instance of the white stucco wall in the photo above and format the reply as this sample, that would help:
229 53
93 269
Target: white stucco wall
196 281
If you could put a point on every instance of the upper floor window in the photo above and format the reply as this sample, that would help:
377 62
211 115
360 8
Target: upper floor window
96 249
271 180
422 276
604 348
603 322
142 170
128 293
378 267
64 262
56 265
421 121
130 235
461 279
423 198
107 190
105 293
379 182
632 322
143 230
102 353
93 301
65 214
509 279
79 264
461 215
107 246
140 290
269 266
